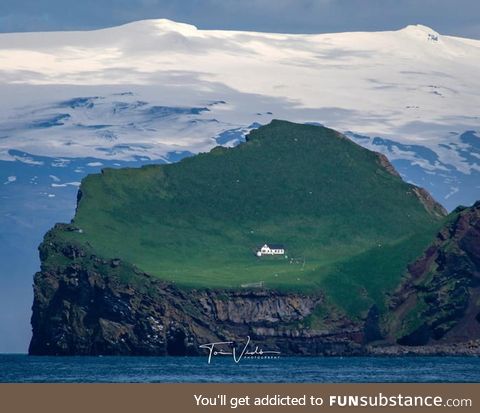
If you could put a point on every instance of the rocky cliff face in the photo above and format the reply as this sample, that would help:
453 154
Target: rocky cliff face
430 204
85 305
439 302
88 306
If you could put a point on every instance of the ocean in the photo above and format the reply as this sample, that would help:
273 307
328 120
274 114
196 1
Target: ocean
28 369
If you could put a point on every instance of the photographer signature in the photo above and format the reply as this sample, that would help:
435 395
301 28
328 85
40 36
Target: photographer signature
215 350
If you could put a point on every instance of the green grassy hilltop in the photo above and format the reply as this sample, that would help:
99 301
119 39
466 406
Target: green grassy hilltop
349 225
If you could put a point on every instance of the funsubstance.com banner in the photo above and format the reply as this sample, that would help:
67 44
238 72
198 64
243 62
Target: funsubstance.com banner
186 398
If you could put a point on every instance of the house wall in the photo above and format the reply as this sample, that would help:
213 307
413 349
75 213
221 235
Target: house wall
268 251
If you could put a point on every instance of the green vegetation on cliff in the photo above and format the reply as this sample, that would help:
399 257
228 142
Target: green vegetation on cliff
350 224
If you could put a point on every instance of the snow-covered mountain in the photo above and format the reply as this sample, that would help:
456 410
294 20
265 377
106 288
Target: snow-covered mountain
156 91
153 87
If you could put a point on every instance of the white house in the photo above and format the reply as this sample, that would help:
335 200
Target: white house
271 249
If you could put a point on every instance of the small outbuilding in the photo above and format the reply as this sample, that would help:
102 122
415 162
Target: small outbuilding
271 249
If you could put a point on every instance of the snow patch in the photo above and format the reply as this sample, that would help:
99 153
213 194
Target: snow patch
10 180
65 184
453 191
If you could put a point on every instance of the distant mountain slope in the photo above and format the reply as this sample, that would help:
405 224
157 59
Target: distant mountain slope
148 88
409 84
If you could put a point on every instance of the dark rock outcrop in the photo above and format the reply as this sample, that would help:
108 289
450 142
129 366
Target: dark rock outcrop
430 204
439 302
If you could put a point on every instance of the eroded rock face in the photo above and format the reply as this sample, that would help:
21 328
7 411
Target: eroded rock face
430 204
440 299
91 307
383 160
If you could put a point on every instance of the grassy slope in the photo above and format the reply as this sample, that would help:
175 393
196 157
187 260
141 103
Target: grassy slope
349 225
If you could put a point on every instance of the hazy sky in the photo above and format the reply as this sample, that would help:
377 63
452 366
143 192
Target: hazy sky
457 17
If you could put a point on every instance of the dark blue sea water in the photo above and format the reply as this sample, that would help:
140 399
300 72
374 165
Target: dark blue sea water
22 368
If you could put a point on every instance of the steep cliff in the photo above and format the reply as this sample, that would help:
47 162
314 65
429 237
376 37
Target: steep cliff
439 301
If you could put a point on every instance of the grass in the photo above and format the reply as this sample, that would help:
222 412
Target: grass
349 226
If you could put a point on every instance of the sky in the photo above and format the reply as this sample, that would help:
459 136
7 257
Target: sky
454 17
